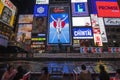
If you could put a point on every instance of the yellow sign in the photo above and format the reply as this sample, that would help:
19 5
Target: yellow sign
7 12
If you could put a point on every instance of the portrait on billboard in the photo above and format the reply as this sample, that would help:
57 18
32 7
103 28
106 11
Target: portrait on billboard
39 25
59 28
25 18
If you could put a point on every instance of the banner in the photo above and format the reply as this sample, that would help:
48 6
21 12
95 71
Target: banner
42 1
114 49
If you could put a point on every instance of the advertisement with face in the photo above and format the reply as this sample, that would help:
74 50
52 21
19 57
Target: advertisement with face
24 32
59 25
7 12
39 26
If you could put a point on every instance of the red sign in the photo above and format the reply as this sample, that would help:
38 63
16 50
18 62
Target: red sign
108 9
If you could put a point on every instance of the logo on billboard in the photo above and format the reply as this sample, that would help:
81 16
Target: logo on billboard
112 21
82 33
40 10
108 7
58 10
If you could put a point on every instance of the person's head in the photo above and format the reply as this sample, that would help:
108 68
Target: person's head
39 20
10 68
102 68
20 69
45 69
83 67
118 71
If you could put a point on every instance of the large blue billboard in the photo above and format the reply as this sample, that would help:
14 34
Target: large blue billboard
82 33
59 27
40 10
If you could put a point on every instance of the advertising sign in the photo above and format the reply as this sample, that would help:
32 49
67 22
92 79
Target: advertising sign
40 10
25 18
104 8
96 30
59 25
7 12
102 29
81 21
39 26
112 21
82 33
42 1
24 32
80 9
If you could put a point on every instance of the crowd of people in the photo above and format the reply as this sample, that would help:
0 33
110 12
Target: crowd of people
17 74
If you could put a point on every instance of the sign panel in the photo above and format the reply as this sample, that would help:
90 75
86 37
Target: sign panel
25 18
81 21
80 9
24 32
41 10
104 8
82 33
42 1
59 25
102 29
96 30
7 12
112 21
3 40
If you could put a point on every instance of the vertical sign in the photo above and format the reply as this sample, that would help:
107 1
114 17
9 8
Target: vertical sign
102 29
59 25
96 30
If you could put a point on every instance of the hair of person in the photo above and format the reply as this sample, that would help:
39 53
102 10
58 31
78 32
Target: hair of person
118 71
83 67
102 68
37 18
20 69
8 68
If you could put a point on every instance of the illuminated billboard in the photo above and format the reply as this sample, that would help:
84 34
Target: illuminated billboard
108 9
40 10
112 21
80 9
59 25
82 33
42 1
25 18
81 21
24 32
39 26
7 12
3 40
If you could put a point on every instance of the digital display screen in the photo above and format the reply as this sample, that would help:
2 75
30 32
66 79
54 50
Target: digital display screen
82 33
81 21
104 8
59 25
7 12
25 18
40 10
80 9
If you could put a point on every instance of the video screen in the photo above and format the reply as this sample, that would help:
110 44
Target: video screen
59 25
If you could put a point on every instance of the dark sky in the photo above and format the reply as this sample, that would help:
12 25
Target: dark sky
24 6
